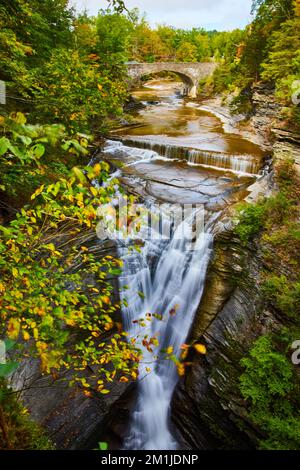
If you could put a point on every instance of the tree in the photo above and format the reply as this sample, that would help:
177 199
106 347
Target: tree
284 54
203 48
114 34
187 52
147 44
85 33
80 92
41 24
55 293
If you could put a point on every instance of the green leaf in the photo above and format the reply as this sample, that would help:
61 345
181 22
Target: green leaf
4 145
115 271
6 231
20 118
25 139
17 152
9 344
37 150
103 445
79 175
8 368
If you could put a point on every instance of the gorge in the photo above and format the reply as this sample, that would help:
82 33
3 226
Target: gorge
149 227
183 157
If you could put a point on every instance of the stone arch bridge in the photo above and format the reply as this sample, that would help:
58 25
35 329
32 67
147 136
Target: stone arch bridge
189 72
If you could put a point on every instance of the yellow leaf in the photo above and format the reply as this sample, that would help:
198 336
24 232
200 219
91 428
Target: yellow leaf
13 328
200 348
26 335
15 272
19 118
99 87
180 369
35 333
108 326
37 192
97 169
94 191
184 354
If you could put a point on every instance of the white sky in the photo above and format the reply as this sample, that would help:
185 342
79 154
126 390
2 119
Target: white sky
209 14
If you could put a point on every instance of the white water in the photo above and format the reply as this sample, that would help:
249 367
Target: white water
138 149
176 283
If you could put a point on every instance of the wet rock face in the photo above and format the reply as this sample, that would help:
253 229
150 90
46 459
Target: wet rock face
206 407
72 420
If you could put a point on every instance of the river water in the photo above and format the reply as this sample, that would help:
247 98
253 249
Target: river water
179 157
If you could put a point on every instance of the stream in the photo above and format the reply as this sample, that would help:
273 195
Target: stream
179 157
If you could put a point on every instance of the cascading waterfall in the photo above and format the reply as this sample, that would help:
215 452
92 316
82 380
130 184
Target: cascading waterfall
163 281
176 283
240 164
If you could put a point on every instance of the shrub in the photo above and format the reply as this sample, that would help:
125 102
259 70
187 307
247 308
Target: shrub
18 431
285 295
269 384
251 221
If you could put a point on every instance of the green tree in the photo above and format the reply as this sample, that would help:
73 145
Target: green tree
282 65
187 52
79 92
114 34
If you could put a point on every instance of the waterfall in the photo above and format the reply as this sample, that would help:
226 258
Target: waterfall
174 283
147 149
162 282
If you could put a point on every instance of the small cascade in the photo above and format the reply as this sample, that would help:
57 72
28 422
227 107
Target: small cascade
236 163
245 164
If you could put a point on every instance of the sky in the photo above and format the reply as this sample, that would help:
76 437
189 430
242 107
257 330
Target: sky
222 15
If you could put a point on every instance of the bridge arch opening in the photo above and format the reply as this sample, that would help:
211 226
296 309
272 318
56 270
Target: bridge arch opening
189 87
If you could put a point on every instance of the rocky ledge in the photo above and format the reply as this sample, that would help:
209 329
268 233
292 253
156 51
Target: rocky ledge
206 408
257 127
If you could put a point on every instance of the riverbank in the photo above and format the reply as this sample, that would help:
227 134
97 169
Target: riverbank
252 128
